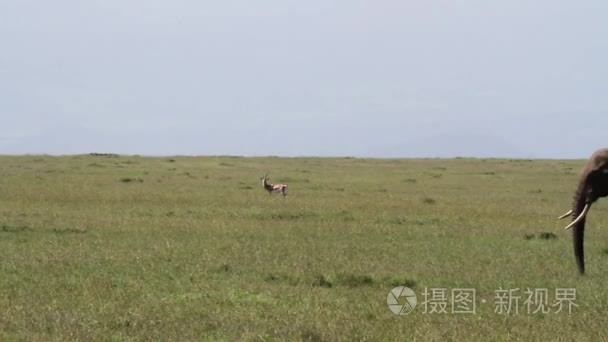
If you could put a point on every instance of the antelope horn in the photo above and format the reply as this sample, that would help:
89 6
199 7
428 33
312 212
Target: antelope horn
580 217
565 215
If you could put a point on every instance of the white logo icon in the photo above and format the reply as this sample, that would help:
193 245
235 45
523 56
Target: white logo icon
401 300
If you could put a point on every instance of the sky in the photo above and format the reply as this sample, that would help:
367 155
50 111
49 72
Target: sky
384 78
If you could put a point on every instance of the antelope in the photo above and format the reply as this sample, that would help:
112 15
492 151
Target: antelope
282 188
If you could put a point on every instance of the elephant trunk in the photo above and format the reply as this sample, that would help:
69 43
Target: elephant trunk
578 232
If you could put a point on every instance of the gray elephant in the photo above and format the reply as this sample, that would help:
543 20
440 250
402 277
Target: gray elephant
593 184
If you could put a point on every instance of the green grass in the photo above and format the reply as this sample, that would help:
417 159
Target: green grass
112 247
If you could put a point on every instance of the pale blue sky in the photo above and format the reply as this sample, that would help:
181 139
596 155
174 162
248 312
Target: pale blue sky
280 77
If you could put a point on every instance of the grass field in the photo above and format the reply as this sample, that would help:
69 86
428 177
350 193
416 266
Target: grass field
182 248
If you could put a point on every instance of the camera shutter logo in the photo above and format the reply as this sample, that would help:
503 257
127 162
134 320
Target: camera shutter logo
401 300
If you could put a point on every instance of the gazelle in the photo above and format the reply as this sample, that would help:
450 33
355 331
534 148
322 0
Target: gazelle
282 188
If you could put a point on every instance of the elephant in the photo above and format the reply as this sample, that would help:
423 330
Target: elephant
592 185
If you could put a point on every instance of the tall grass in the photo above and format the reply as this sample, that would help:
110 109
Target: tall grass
106 247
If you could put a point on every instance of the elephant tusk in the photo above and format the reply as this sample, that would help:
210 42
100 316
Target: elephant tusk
580 217
565 215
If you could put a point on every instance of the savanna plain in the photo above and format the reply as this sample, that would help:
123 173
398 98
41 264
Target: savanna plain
107 247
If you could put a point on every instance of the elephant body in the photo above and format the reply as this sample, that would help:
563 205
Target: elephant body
593 184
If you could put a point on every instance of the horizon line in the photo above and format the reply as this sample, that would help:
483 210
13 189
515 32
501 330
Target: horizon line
111 154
